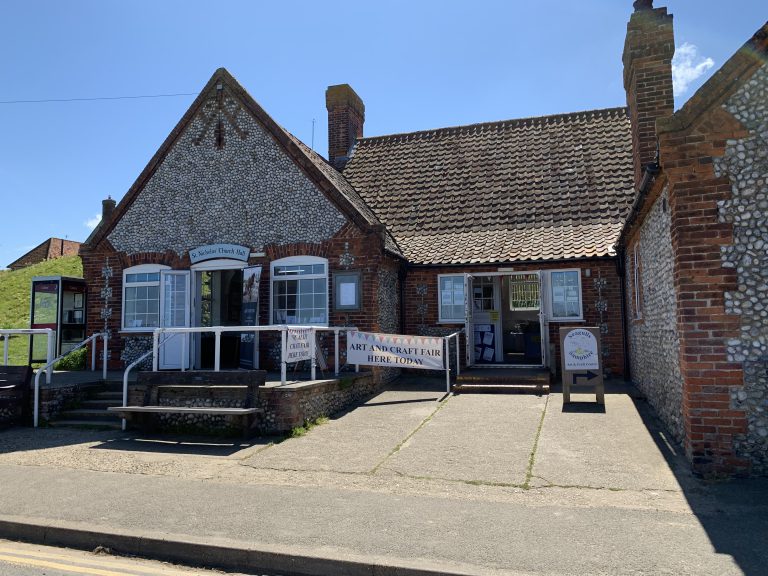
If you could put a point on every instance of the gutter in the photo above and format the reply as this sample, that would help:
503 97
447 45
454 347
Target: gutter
649 177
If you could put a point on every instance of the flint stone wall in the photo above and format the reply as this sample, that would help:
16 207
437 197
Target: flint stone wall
654 340
284 408
243 190
745 162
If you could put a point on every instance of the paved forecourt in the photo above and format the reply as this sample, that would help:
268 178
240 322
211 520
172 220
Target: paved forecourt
474 438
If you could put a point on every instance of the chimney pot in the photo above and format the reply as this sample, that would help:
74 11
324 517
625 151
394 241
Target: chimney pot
643 5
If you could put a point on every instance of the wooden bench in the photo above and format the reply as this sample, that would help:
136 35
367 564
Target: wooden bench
144 415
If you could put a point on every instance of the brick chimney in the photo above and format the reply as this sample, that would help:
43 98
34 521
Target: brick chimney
107 207
346 114
648 51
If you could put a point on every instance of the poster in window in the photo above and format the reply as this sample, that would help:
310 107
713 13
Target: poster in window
347 291
347 294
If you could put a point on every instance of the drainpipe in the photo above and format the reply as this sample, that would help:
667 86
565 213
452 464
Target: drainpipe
402 274
621 271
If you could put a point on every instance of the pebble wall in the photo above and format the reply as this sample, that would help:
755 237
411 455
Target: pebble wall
653 336
242 189
746 163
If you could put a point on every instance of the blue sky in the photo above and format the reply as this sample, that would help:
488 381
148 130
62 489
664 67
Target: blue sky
416 64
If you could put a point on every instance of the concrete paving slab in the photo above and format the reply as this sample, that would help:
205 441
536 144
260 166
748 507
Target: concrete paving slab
483 438
583 446
356 441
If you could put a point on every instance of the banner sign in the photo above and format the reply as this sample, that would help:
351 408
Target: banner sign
249 316
231 251
395 351
299 344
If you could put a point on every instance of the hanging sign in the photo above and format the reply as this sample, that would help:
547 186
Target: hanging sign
299 343
395 351
213 251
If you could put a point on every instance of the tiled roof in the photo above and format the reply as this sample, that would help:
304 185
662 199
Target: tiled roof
345 189
542 188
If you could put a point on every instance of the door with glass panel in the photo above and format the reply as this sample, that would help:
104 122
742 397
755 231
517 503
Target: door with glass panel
174 313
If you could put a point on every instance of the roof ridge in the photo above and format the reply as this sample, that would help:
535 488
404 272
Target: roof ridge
548 118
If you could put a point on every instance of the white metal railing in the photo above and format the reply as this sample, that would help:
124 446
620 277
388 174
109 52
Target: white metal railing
50 343
447 340
130 367
50 364
218 330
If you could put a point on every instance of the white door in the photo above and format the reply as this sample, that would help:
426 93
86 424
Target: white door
174 313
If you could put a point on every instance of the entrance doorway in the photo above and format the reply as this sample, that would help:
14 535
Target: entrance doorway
505 325
219 303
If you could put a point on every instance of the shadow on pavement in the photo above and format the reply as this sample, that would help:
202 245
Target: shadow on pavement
171 444
22 439
733 513
584 408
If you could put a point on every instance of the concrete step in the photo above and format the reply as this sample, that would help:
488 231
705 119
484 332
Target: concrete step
505 376
501 388
86 414
111 424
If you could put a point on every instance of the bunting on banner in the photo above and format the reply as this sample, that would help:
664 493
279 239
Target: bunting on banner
395 351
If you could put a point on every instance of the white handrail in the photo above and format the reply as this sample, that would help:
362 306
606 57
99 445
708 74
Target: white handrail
50 364
447 340
218 330
131 366
50 344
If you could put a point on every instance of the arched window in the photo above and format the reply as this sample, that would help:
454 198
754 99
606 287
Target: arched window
141 296
299 291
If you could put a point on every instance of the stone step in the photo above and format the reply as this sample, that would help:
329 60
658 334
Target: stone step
109 395
111 424
102 403
86 414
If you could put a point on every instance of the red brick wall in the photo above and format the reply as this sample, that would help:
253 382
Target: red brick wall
422 311
365 248
700 279
48 250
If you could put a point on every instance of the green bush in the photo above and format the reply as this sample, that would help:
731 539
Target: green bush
74 361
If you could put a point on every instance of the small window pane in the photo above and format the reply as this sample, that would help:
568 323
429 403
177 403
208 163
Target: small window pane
451 298
299 300
566 298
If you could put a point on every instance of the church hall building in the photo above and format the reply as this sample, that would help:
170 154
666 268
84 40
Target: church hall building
632 219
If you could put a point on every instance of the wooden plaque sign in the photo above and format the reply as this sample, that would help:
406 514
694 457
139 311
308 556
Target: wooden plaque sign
581 361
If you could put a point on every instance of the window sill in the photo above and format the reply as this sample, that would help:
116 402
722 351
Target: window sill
450 321
567 320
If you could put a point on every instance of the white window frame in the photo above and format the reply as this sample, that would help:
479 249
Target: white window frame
298 261
636 282
142 269
440 318
550 295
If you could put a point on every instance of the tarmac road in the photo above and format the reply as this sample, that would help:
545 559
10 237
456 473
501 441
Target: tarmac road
19 559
